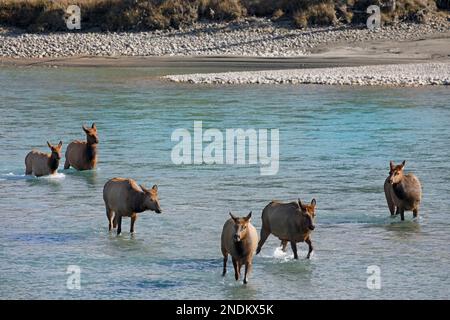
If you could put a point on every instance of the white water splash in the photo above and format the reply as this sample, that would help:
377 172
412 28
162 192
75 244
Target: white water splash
280 255
14 176
54 176
287 256
10 174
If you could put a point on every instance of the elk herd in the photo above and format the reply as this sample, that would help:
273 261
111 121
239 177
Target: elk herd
291 222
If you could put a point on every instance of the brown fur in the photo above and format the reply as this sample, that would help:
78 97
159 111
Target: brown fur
239 239
124 198
292 222
403 192
42 164
82 155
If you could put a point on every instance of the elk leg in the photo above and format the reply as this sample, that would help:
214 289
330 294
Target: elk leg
66 164
402 214
28 169
294 249
225 259
264 234
308 241
133 220
115 220
109 216
397 211
415 212
248 270
119 225
236 269
284 245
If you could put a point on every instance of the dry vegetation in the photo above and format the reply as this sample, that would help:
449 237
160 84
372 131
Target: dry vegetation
116 15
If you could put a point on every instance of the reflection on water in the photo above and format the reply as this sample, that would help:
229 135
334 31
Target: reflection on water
88 176
335 146
239 291
404 228
54 184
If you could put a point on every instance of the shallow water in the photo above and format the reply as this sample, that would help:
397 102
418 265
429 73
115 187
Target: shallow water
335 144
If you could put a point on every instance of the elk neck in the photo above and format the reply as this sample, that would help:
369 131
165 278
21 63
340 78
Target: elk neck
91 151
53 163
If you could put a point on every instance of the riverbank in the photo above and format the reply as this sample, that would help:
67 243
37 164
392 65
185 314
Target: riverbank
250 46
258 37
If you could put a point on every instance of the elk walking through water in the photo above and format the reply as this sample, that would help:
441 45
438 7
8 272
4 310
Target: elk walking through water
42 164
403 192
292 222
239 239
82 155
124 198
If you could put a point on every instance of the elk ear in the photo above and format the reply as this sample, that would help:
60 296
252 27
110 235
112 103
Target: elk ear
85 129
300 204
403 163
247 218
49 145
143 188
60 144
392 165
155 187
313 202
233 217
94 126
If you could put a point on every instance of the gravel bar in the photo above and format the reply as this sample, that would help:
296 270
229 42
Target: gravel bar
392 75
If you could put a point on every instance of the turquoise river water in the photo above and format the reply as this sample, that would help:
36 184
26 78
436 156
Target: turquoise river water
335 146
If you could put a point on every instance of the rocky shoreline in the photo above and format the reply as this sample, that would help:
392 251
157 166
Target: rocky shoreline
251 37
393 75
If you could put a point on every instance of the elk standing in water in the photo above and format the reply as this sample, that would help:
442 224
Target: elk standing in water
292 222
82 155
124 198
42 164
239 239
403 192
